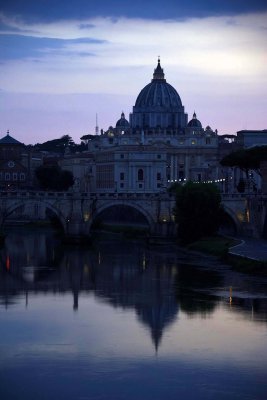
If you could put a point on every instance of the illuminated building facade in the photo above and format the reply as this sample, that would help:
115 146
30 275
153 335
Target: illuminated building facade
156 147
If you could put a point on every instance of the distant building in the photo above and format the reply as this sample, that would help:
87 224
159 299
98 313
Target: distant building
148 153
250 138
81 166
157 147
17 164
13 174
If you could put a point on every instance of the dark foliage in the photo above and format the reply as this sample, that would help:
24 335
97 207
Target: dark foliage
57 145
246 159
197 211
54 178
86 138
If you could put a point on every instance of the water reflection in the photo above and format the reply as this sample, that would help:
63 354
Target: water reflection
156 284
193 290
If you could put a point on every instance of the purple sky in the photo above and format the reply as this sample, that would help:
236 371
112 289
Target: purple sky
62 64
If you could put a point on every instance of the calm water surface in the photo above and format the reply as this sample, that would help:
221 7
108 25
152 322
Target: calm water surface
124 321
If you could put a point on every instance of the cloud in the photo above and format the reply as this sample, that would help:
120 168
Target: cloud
213 62
35 11
110 52
86 26
14 46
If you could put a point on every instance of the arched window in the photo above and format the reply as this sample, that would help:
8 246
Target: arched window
140 175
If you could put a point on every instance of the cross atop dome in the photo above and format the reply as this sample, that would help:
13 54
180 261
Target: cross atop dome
158 72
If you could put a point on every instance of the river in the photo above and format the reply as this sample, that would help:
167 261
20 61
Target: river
121 320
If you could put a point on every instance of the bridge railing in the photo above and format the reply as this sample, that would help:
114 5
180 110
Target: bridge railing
49 194
234 195
40 194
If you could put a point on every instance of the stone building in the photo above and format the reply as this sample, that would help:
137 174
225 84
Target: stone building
157 147
17 164
13 174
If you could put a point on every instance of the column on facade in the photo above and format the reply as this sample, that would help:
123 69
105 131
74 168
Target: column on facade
175 166
150 179
171 168
133 183
173 175
187 166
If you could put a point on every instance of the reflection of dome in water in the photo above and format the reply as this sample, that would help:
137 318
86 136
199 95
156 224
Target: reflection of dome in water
157 317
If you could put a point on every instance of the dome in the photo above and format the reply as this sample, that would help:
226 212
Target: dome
158 107
158 93
122 122
9 140
194 123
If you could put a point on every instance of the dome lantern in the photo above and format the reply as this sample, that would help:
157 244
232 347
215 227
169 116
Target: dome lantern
158 73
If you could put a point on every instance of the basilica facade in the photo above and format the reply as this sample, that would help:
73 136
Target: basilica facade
155 147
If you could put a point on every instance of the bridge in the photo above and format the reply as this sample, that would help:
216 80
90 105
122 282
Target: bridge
78 211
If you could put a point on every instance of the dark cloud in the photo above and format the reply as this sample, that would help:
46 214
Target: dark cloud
8 29
19 46
49 10
86 26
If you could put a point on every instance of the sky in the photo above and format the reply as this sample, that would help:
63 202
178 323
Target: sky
63 62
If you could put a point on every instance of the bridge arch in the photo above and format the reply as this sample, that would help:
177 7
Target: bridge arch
31 203
230 224
148 217
264 221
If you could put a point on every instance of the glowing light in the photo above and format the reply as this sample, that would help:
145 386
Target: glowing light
7 263
86 216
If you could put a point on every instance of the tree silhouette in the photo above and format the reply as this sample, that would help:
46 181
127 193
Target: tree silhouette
197 211
54 178
246 159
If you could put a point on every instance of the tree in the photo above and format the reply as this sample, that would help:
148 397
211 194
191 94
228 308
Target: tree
57 145
246 159
54 178
86 138
197 211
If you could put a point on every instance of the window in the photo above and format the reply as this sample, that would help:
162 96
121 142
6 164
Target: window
22 176
193 141
140 175
207 140
121 185
122 176
158 185
15 176
36 209
122 155
158 156
140 185
158 176
7 176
